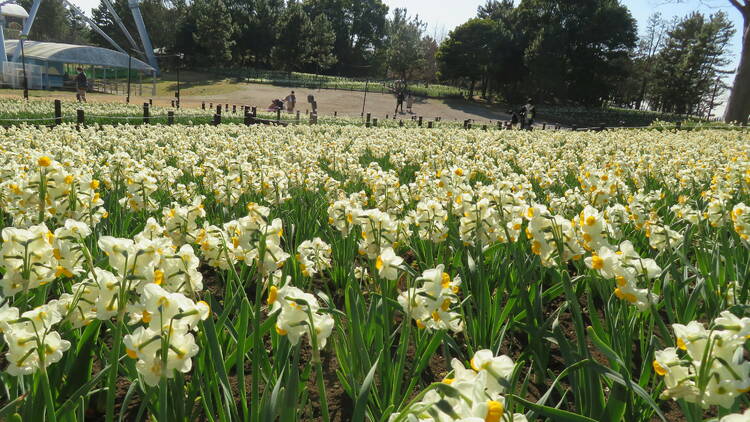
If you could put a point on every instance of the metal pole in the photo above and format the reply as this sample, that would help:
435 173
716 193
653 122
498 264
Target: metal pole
364 100
127 100
23 63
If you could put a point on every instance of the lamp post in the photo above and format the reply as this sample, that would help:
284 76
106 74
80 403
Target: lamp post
23 63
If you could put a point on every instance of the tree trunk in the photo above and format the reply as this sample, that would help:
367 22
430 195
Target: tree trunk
471 89
738 105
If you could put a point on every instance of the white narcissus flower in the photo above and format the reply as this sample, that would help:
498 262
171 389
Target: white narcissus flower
294 319
478 393
68 249
27 257
712 370
168 317
431 305
388 264
313 256
737 417
741 220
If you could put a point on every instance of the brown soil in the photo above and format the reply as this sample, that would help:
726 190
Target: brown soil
343 103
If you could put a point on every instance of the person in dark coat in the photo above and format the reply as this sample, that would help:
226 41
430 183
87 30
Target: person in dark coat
529 113
81 85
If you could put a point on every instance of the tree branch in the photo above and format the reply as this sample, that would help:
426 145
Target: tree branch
739 6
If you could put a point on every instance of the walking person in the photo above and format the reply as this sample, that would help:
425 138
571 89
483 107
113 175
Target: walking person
81 85
409 103
290 100
529 113
399 101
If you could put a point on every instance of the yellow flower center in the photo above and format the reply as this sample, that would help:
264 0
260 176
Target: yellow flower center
44 161
494 411
659 369
681 344
158 277
446 280
272 292
379 263
597 262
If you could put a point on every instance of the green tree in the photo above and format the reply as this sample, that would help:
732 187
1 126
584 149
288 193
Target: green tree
573 48
257 29
466 53
429 70
213 31
687 68
55 23
403 44
322 38
293 46
359 27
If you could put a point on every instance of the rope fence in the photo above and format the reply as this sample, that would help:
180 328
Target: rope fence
250 117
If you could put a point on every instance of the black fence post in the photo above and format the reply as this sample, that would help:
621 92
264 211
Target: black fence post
278 115
420 121
466 124
234 108
146 113
58 112
203 105
150 101
217 119
170 117
172 103
367 122
678 124
375 122
255 111
80 117
400 123
218 109
484 127
429 125
297 117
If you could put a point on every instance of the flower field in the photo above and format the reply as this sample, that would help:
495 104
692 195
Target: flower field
337 273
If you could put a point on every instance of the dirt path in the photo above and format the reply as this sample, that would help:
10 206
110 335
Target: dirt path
344 103
349 103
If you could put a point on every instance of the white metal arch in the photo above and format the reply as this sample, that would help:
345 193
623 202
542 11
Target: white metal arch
146 46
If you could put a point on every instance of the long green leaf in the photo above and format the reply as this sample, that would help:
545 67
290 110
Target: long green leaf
364 392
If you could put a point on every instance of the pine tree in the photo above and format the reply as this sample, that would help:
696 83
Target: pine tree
213 30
